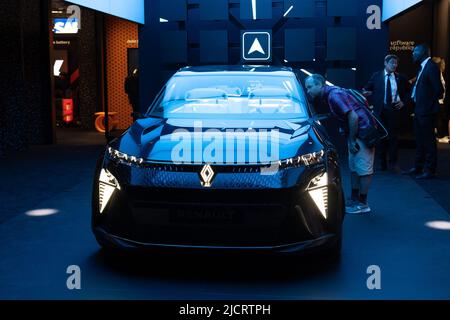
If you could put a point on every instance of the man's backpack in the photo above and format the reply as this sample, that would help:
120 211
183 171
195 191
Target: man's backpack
372 135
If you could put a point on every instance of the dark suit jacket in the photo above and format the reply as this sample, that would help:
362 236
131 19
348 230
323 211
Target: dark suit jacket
377 85
429 90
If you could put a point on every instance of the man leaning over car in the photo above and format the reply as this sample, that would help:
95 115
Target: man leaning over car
354 118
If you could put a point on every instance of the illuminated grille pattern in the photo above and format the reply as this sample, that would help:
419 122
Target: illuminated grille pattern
105 192
172 176
325 199
101 192
197 168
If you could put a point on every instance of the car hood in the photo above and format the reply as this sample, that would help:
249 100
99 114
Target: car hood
219 141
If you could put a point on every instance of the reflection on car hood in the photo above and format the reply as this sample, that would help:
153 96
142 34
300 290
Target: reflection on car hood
207 140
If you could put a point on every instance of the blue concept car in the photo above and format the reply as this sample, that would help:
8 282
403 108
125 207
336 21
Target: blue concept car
225 158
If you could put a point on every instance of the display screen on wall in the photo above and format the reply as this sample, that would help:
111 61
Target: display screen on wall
65 26
132 10
393 7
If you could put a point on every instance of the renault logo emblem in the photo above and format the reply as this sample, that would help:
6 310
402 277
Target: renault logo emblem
206 176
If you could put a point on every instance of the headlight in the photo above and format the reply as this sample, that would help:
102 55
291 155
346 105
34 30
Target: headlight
123 157
309 159
106 187
318 190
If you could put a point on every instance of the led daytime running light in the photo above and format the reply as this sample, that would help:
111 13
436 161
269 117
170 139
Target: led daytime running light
123 157
305 160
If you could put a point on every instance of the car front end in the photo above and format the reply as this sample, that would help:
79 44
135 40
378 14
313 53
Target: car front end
149 195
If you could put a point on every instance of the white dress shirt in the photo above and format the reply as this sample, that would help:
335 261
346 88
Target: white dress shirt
424 62
394 88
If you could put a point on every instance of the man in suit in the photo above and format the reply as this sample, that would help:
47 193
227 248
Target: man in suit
426 93
388 92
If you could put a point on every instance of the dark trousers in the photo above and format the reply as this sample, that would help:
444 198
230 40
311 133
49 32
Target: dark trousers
388 148
426 146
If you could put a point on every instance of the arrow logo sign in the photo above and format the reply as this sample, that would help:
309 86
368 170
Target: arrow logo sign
256 46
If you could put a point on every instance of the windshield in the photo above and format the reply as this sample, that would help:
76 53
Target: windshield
231 95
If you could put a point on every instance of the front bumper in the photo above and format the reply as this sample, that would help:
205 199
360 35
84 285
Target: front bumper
166 207
119 242
280 220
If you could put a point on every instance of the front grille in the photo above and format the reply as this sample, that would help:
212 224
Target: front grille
219 168
207 224
225 207
210 217
188 176
214 196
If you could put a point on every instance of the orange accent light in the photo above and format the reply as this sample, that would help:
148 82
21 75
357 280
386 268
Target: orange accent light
67 114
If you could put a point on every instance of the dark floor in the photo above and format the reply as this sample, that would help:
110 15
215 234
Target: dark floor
438 188
43 172
79 137
45 227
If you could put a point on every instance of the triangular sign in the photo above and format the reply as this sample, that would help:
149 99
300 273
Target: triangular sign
256 46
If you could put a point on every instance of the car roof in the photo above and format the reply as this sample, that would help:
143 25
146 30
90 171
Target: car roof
269 70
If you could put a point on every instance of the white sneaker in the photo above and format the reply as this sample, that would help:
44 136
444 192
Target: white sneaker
364 208
358 208
350 203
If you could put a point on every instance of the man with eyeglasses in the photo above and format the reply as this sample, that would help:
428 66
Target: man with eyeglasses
388 92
